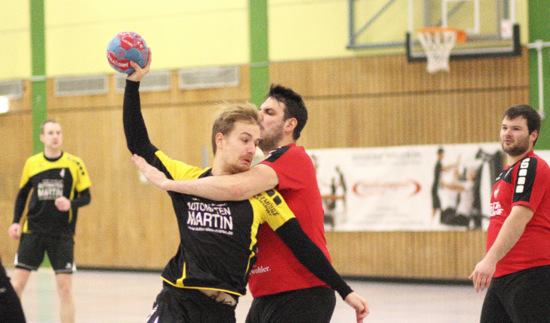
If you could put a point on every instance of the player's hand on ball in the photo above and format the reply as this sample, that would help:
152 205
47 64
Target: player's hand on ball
140 73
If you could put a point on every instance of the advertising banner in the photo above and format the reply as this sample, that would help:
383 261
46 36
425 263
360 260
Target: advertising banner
431 187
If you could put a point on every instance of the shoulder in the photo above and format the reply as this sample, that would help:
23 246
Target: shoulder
35 160
287 152
71 157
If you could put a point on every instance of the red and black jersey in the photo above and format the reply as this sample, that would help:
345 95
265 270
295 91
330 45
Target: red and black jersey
526 183
277 269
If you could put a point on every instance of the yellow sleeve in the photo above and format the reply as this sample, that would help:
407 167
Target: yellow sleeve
177 169
271 208
83 177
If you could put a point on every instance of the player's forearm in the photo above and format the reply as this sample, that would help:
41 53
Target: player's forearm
218 188
84 198
236 187
137 138
20 203
309 255
510 233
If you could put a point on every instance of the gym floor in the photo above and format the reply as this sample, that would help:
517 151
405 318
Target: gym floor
127 297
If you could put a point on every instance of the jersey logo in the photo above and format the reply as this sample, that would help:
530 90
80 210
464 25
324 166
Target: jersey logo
62 173
496 209
210 217
50 189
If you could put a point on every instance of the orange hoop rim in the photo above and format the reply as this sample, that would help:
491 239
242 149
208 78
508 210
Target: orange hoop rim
460 34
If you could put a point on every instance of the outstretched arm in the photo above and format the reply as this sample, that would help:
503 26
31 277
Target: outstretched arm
315 261
236 187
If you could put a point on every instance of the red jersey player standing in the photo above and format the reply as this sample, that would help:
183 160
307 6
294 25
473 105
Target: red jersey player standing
516 268
283 289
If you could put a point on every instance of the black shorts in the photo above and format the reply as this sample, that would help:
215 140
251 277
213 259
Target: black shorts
184 305
519 297
33 246
311 305
10 306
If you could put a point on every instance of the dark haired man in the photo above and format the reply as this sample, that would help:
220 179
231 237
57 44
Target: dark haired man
516 268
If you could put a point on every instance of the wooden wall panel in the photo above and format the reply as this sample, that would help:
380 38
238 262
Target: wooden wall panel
357 102
432 255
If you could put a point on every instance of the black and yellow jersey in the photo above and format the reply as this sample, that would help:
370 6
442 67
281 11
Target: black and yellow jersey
49 179
218 239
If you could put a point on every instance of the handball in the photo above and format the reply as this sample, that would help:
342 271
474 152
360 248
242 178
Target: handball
125 47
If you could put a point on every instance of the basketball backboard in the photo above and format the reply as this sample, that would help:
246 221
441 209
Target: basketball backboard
490 26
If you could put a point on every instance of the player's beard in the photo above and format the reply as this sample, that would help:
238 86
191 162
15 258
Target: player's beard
271 141
517 149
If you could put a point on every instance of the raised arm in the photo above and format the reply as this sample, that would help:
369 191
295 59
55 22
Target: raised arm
137 138
315 261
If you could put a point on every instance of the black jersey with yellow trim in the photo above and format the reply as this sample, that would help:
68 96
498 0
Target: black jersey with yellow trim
49 179
218 239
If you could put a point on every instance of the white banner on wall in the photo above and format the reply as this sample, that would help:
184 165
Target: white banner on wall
375 189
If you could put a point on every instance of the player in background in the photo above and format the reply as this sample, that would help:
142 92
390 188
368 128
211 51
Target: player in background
516 268
60 185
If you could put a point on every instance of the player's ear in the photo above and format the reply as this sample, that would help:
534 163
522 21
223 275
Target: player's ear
290 124
534 135
219 140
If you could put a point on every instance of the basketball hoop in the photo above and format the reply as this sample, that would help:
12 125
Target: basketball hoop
438 43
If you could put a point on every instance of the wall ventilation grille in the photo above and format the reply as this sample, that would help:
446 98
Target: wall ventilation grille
208 77
12 89
154 81
82 85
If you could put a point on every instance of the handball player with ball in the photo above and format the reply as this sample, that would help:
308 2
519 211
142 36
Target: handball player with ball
203 281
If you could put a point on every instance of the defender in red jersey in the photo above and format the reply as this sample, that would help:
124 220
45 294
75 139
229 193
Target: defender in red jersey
283 290
516 268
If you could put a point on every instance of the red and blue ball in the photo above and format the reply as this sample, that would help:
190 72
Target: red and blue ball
125 47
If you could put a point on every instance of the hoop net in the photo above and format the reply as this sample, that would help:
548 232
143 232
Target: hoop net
438 43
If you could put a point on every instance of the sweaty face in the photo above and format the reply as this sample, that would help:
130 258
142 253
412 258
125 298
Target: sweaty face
52 137
272 114
514 136
238 147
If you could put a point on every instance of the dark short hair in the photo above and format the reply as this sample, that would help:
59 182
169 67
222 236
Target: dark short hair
526 111
295 106
232 113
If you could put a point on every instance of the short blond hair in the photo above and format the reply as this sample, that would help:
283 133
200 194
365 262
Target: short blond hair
232 113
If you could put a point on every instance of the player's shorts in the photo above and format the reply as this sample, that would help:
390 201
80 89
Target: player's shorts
10 306
519 297
311 305
185 305
60 251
